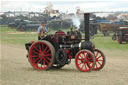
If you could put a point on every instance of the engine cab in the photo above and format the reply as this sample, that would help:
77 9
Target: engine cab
71 37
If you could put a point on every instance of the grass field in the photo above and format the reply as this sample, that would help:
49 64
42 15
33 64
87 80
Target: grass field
16 70
12 36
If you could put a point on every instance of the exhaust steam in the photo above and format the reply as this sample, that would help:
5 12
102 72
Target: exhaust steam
76 22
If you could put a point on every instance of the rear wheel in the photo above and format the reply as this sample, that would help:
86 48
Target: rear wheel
41 55
85 60
100 59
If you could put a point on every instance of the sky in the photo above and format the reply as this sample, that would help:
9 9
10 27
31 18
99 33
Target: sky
64 5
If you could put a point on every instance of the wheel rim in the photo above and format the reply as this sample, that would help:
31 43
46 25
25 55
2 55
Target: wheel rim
99 56
84 61
40 55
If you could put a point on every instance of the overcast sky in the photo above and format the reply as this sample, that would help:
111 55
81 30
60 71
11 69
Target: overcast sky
64 5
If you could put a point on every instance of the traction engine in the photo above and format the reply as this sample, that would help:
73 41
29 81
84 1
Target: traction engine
55 51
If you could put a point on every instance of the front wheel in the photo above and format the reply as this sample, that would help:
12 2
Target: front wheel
85 60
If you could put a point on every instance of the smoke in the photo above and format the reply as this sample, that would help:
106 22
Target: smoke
76 22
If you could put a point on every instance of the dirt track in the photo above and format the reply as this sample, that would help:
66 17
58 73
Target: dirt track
16 70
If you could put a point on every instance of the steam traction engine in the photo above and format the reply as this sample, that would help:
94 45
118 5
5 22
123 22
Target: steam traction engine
57 50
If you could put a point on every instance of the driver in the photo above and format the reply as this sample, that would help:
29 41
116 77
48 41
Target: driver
42 31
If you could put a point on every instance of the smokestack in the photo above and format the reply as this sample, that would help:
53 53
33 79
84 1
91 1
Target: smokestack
86 26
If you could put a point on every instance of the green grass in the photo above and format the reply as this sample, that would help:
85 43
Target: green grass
20 39
107 42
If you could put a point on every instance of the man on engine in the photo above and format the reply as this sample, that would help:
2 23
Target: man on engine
42 31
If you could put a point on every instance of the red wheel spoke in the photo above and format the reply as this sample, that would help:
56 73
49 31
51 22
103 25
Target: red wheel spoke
35 56
98 57
48 55
81 57
83 66
46 61
47 51
96 54
87 55
80 63
45 48
36 60
89 64
84 55
90 58
48 58
36 48
35 52
42 47
99 62
39 47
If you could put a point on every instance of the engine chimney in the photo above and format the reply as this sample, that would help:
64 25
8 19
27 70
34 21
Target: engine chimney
86 26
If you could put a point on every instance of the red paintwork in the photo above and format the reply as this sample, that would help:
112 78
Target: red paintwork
99 59
32 41
67 51
60 33
69 54
43 56
118 39
82 60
